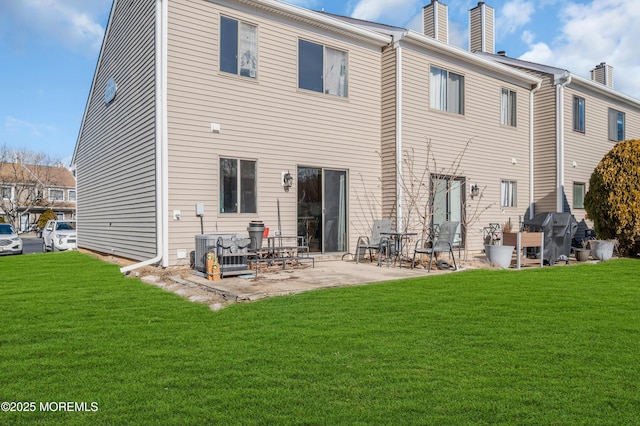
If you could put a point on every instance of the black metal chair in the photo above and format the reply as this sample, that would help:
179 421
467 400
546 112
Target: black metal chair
377 241
443 242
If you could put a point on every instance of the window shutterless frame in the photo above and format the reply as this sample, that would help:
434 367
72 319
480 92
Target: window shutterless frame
238 186
238 42
322 69
446 90
578 114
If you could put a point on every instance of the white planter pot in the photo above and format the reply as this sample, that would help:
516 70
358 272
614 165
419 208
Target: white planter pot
499 255
601 250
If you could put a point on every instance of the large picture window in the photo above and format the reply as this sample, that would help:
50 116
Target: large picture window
238 47
237 186
446 91
508 108
508 193
616 125
578 114
322 69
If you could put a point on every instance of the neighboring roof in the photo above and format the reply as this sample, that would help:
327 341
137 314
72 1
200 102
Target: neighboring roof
561 75
49 176
421 40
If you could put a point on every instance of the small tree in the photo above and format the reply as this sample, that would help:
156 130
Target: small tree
24 177
46 216
613 200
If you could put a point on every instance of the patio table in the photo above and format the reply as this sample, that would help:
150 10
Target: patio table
398 248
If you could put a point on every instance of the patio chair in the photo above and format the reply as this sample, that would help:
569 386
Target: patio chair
377 241
442 243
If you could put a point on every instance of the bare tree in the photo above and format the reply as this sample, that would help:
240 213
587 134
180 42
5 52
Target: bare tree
24 178
422 200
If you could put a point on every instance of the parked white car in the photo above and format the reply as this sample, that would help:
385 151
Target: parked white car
10 242
59 235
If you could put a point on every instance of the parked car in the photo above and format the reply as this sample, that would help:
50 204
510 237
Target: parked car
10 242
59 235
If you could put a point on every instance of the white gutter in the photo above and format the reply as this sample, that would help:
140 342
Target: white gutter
162 227
399 154
531 150
561 82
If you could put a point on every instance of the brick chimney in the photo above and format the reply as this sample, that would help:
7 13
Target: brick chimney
603 74
481 28
436 21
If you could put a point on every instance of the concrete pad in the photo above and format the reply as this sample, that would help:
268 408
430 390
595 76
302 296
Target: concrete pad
327 274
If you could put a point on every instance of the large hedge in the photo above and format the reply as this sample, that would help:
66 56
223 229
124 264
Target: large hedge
613 200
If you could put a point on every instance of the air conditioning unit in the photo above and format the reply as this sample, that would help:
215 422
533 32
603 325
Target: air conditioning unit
206 243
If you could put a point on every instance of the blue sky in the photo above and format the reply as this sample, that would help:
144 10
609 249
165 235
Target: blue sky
49 50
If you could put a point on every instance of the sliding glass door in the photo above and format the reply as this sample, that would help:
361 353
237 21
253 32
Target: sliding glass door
322 208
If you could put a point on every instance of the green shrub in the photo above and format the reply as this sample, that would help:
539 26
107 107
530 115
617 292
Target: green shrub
45 217
613 200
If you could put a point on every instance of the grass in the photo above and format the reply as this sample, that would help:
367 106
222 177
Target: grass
556 345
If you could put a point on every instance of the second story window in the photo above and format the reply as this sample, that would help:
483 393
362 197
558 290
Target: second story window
5 192
446 91
56 195
616 125
322 69
508 108
238 47
72 195
578 114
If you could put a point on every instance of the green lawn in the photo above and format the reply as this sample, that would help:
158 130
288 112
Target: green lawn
555 346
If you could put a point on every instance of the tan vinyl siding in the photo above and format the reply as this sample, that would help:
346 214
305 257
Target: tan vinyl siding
267 119
488 157
115 156
443 24
545 153
389 121
583 151
435 21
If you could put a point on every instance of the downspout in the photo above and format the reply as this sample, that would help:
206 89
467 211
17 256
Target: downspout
399 154
531 150
162 229
563 81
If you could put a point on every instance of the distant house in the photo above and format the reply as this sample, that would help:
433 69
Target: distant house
577 122
27 190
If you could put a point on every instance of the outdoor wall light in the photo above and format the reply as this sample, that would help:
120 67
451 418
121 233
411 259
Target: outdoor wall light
475 190
287 181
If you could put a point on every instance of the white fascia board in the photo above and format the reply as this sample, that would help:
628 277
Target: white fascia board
604 90
313 18
471 58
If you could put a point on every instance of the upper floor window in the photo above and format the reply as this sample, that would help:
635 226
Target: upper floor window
322 69
238 47
446 91
238 186
508 193
508 108
72 195
616 125
56 195
578 114
578 195
5 192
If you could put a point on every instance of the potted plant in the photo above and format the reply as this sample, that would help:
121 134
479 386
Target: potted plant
500 255
602 249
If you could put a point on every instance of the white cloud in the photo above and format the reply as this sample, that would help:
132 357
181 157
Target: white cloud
598 31
514 15
13 124
394 12
71 22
